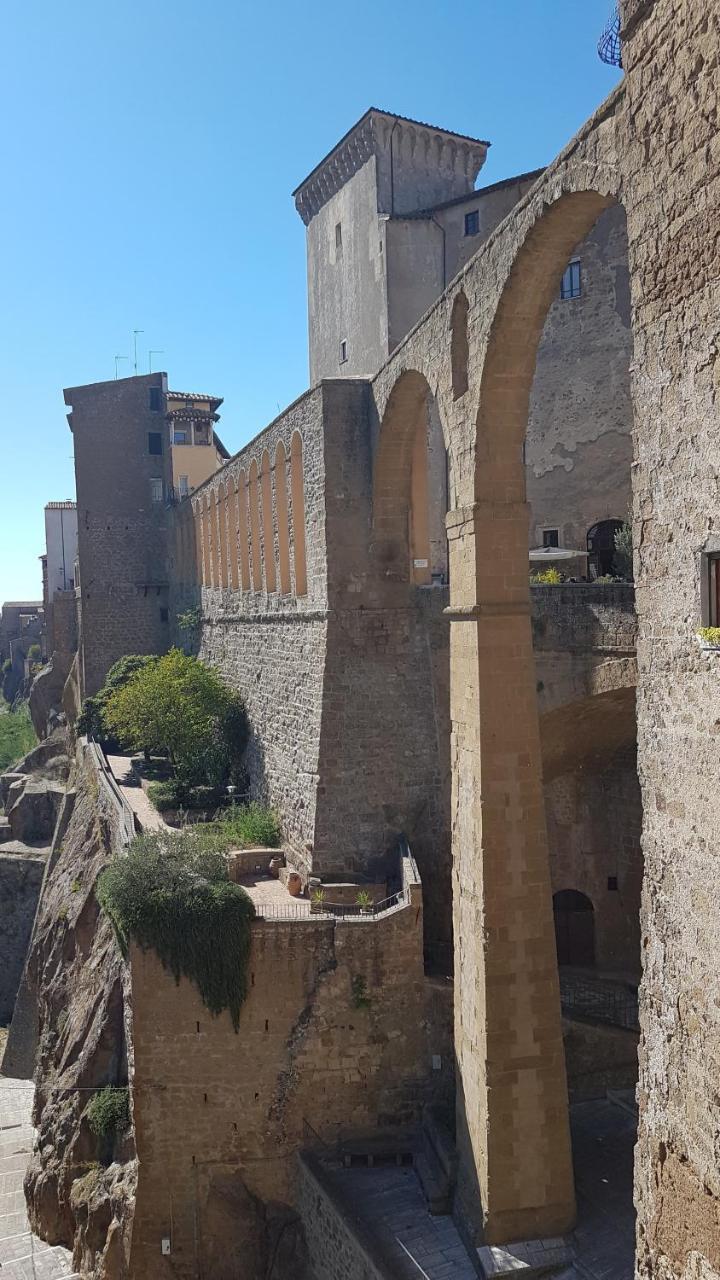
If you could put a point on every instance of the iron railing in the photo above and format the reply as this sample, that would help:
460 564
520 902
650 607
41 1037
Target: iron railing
112 791
596 1000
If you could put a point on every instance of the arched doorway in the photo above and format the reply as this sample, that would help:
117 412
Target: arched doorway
601 547
574 918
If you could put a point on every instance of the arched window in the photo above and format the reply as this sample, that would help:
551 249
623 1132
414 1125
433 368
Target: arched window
283 523
267 524
574 928
459 348
243 533
255 544
297 490
601 547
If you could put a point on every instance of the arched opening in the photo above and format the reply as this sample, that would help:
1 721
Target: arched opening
232 532
574 919
243 533
459 349
268 531
210 539
221 517
297 492
283 523
509 990
410 486
255 545
601 548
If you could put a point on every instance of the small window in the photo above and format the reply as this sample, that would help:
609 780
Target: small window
612 884
180 437
571 285
472 222
338 237
164 615
156 489
154 442
712 618
155 399
343 351
183 486
550 538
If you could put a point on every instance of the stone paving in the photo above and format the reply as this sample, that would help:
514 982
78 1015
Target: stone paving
603 1144
145 812
23 1256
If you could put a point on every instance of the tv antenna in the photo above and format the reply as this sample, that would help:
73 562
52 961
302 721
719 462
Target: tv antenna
118 358
135 338
157 351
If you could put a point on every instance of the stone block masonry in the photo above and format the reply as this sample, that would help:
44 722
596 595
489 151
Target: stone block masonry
20 882
311 1058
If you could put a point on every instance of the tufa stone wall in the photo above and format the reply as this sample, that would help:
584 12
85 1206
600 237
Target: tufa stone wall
671 54
20 880
339 1247
337 1037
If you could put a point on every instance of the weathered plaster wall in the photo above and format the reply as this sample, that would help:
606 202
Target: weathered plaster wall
671 54
219 1115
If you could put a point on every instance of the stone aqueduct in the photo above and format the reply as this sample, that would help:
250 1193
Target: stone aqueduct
474 353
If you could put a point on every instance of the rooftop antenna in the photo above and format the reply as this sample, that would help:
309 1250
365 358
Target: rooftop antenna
158 351
135 338
117 358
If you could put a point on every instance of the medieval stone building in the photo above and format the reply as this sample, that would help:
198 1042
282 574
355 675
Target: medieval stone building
493 371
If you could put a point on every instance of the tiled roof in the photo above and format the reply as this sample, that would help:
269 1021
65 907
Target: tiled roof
193 395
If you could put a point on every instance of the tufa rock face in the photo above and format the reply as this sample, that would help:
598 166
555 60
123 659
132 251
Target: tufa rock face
78 974
33 810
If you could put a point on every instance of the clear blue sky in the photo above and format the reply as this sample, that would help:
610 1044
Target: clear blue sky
149 152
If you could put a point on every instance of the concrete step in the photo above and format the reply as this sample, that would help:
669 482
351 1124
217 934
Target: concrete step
434 1182
438 1139
5 831
525 1258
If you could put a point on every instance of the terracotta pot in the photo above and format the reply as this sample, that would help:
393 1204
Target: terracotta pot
274 867
294 884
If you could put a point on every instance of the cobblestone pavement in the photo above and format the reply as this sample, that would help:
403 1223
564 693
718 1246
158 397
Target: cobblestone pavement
22 1255
604 1239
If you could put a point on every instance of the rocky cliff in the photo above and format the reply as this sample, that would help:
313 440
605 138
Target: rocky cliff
80 1191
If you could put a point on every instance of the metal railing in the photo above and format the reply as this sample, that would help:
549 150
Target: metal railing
305 910
112 791
599 1000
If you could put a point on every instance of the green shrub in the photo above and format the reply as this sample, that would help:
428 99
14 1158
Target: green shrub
167 795
710 635
171 894
34 653
108 1112
549 577
17 736
7 666
623 558
246 826
92 715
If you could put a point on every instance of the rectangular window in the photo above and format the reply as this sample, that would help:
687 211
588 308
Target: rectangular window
156 399
550 538
156 489
571 285
343 351
184 486
338 237
472 222
180 437
164 615
155 442
713 590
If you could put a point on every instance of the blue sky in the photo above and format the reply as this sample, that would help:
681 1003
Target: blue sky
149 152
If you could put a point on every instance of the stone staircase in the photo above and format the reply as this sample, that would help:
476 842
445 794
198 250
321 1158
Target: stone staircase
436 1163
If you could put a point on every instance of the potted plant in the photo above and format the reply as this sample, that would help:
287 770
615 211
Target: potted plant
709 637
364 901
317 900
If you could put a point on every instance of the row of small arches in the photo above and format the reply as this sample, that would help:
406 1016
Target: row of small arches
249 530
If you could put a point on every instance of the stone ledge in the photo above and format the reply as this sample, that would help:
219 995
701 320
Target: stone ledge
528 1257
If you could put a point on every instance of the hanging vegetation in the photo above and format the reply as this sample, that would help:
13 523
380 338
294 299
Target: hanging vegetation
171 894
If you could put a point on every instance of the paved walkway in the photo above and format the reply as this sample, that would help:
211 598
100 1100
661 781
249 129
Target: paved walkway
145 812
604 1239
23 1256
421 1247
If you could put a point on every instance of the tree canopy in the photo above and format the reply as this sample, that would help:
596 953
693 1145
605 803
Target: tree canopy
176 704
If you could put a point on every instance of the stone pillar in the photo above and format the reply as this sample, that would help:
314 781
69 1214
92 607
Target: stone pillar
515 1165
